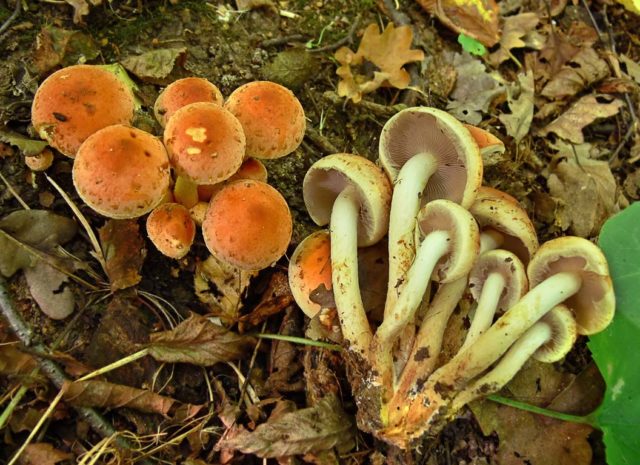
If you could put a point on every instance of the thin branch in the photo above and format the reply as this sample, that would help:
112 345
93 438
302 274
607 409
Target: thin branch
11 19
346 40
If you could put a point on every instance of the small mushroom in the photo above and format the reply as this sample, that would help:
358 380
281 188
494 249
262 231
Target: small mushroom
171 229
41 161
428 155
271 116
497 281
121 172
548 341
247 224
77 101
251 168
205 142
181 93
487 142
352 195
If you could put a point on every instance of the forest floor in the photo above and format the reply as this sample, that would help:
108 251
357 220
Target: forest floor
560 89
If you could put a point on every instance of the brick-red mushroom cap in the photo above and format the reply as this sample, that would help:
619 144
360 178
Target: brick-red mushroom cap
77 101
121 172
171 229
181 93
205 143
272 118
248 224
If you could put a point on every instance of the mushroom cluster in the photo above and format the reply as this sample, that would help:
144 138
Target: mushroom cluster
449 239
204 171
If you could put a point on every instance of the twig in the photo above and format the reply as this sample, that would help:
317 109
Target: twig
14 192
320 141
283 40
51 369
348 39
11 19
384 111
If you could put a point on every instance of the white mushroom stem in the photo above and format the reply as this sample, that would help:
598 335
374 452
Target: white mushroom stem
490 239
344 265
405 204
496 340
487 305
433 247
510 363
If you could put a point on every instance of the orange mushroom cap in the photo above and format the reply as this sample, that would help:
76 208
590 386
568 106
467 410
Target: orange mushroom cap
271 116
121 172
205 143
248 224
251 168
181 93
171 229
77 101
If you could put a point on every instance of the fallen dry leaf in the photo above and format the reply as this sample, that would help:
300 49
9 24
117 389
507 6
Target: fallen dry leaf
27 146
39 229
155 64
520 101
585 68
582 113
587 191
221 286
50 289
275 299
557 51
57 46
95 393
513 36
124 252
42 453
632 68
388 51
200 342
475 18
321 427
474 91
15 362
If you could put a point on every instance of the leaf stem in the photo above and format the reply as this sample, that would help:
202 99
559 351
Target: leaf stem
586 420
117 364
300 340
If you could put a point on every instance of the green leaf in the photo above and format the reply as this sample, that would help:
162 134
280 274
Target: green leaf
471 45
27 146
615 349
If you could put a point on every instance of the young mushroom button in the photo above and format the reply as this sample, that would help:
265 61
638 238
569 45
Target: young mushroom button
181 93
247 224
352 195
171 229
271 116
121 172
77 101
429 155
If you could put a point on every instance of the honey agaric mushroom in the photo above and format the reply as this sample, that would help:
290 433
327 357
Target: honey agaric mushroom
448 249
497 281
251 168
310 270
428 155
248 224
121 172
569 270
504 224
352 195
205 142
271 116
41 161
181 93
548 341
171 229
487 142
77 101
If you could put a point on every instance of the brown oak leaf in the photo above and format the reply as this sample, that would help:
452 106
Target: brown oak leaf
378 62
514 33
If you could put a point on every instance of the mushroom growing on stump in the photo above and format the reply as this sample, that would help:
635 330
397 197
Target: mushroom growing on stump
568 270
352 195
248 225
206 145
77 101
121 172
171 229
446 253
181 93
428 155
271 116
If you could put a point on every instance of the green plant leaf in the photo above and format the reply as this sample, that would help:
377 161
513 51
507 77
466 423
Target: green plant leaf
471 45
615 349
